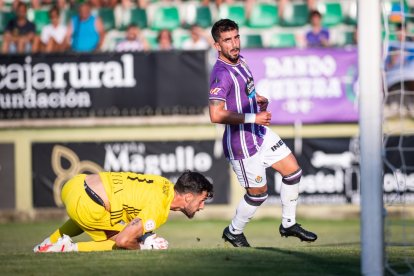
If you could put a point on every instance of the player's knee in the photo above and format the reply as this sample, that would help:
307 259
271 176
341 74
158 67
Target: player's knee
256 199
293 178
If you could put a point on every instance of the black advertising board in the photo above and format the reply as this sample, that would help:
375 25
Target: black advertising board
330 167
56 163
103 85
331 171
7 176
398 160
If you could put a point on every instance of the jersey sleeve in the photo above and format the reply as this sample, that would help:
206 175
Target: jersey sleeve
220 85
155 213
152 217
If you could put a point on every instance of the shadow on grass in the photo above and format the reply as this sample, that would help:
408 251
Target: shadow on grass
339 244
333 262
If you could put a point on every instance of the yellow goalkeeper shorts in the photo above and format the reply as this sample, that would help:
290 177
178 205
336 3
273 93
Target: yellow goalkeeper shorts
89 215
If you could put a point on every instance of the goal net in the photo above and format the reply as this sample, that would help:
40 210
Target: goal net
398 135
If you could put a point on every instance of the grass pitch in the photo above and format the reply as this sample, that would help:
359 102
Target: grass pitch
196 248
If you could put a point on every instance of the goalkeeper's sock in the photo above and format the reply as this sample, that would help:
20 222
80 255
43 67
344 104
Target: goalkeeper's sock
55 236
95 246
289 196
245 211
69 228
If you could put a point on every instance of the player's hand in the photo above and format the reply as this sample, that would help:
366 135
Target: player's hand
262 102
263 118
154 242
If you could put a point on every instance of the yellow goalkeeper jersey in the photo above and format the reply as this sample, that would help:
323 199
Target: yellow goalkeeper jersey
132 195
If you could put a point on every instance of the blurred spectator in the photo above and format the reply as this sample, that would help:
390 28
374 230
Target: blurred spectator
37 4
355 35
399 67
85 32
164 40
311 4
61 4
97 4
19 34
400 52
16 3
143 4
53 36
218 3
248 5
122 11
402 33
317 36
126 4
197 41
134 41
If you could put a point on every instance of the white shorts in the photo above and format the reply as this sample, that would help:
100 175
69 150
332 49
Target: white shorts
251 172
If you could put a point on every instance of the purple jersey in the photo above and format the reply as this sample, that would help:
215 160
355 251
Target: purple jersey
234 85
315 39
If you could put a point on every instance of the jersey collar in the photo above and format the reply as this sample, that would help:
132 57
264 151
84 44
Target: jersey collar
230 64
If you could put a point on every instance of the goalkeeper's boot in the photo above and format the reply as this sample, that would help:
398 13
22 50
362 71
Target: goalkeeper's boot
297 231
42 246
236 240
64 244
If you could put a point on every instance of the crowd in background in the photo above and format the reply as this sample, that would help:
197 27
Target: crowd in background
85 32
64 4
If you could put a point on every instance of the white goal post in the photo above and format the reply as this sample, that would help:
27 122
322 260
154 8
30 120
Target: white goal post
370 124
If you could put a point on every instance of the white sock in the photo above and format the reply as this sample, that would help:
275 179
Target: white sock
244 213
289 196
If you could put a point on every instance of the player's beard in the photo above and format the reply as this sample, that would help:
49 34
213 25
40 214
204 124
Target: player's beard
232 58
188 213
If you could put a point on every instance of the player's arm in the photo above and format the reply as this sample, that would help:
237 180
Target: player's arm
128 238
262 102
101 31
219 115
29 36
133 237
68 36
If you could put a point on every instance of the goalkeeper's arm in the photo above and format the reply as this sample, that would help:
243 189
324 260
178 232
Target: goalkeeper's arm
128 238
132 238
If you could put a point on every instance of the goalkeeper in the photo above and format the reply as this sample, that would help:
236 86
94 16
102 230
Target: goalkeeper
121 209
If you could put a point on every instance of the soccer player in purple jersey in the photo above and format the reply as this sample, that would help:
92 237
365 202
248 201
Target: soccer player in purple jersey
248 144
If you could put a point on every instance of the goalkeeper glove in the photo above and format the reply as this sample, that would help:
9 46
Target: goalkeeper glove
151 241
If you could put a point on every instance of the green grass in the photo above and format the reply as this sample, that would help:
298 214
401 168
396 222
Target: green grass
196 248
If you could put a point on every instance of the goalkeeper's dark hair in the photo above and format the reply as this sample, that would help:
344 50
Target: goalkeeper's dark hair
221 26
193 182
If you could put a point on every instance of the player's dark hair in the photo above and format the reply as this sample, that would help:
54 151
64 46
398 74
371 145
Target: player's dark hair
314 13
221 26
54 9
132 25
21 4
400 26
164 31
193 182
